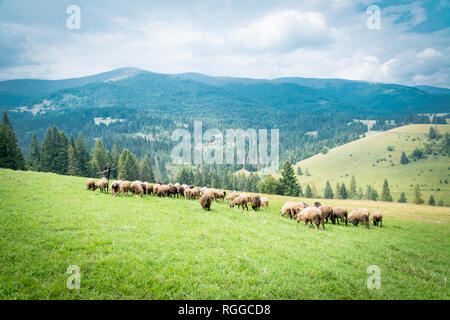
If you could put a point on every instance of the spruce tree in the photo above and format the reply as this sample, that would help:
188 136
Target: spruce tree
352 191
308 192
289 181
418 195
115 154
343 192
83 155
146 173
441 203
402 198
328 192
404 159
10 154
373 194
337 190
35 154
386 192
100 153
431 201
72 168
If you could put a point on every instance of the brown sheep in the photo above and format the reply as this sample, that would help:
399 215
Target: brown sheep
240 201
103 185
221 195
311 214
327 212
233 195
206 200
90 185
180 191
339 213
265 202
256 202
124 187
115 187
148 188
296 208
136 188
187 193
156 188
195 193
377 217
360 215
286 209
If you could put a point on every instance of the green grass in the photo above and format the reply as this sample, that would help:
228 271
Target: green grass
159 248
359 158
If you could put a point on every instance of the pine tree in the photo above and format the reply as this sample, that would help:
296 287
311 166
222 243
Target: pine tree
115 154
360 193
368 192
352 191
299 171
431 201
308 192
441 203
72 168
343 192
386 192
289 181
402 198
328 192
337 190
128 168
100 153
83 155
35 154
146 173
404 159
54 157
10 154
373 195
417 195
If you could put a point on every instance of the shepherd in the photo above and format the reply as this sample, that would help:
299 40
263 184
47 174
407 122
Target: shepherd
107 171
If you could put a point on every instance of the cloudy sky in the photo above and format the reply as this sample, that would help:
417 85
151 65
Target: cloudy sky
247 38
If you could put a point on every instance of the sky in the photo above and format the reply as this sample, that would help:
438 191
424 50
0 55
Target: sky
244 38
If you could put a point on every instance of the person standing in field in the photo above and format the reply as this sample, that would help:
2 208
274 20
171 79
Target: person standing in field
107 171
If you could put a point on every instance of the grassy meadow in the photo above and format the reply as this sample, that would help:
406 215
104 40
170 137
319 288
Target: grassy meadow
369 160
165 248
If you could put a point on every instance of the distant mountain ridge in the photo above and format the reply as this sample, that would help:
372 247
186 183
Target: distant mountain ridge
140 88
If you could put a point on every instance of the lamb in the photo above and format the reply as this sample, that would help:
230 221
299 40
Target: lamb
360 215
90 185
103 185
339 213
256 202
377 217
240 202
327 212
265 202
206 200
311 214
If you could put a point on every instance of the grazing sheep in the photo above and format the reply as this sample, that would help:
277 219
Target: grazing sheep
286 209
265 202
187 193
360 215
339 213
115 187
136 188
240 201
195 192
156 187
180 191
124 187
221 195
327 212
311 214
90 185
377 217
148 188
256 202
172 191
233 195
317 204
103 185
206 200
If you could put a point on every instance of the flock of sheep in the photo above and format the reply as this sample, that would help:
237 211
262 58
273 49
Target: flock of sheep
316 214
320 214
